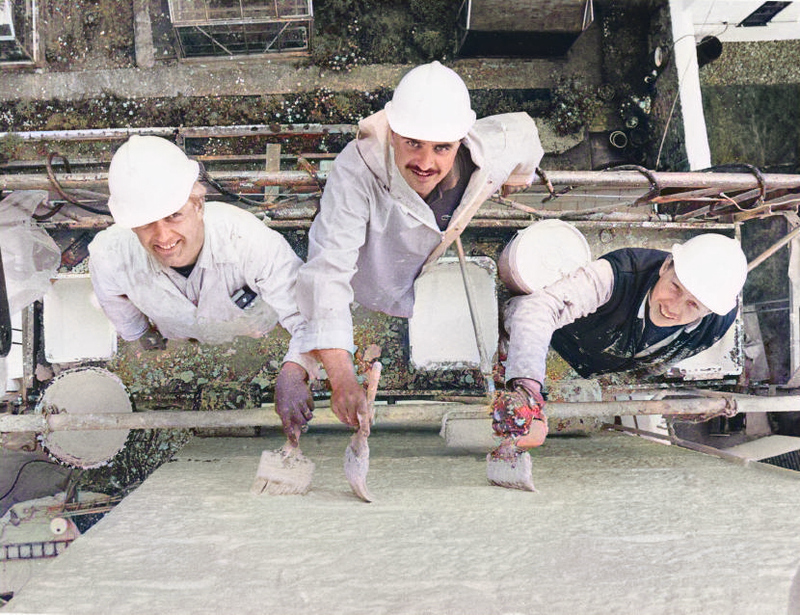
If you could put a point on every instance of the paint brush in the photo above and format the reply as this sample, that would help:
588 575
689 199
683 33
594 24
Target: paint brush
285 471
514 415
356 455
510 467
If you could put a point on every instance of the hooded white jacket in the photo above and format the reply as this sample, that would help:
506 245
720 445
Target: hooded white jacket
373 233
238 250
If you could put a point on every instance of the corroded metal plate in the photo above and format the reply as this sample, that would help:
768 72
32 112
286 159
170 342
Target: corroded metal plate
85 390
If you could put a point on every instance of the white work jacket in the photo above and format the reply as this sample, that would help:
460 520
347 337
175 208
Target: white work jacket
238 250
531 320
373 233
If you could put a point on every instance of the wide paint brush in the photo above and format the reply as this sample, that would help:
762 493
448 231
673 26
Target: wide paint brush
510 467
285 471
356 455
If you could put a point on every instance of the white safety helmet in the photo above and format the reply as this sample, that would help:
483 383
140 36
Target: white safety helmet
431 103
713 268
149 178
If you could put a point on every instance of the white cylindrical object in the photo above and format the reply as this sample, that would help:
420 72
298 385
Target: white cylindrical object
59 525
541 254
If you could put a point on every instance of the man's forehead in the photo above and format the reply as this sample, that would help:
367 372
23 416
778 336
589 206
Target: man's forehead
423 142
689 295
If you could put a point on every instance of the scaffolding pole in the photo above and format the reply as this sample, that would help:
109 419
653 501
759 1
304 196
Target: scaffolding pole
616 179
389 414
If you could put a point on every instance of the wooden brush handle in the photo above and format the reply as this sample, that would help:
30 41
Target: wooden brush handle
373 378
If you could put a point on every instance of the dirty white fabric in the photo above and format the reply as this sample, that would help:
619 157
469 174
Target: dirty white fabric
530 320
238 250
373 232
30 256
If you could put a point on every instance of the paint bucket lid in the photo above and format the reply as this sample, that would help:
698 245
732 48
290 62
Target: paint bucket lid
85 390
541 254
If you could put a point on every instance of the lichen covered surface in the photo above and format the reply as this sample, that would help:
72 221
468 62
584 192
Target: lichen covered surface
619 525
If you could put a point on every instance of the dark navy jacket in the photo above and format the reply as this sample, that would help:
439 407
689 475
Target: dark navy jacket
608 339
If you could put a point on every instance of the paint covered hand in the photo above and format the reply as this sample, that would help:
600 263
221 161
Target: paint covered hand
152 340
348 399
519 414
348 402
293 401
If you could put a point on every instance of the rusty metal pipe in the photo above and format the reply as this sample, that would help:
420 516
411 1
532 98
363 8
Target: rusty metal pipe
406 413
620 179
772 249
254 179
242 130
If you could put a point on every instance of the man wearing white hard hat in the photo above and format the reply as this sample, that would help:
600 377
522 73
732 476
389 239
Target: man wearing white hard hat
397 196
632 310
173 266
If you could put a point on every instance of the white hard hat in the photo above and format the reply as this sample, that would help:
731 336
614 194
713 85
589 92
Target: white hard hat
713 268
431 103
149 178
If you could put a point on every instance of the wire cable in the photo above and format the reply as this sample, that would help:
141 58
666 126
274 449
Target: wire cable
19 473
61 192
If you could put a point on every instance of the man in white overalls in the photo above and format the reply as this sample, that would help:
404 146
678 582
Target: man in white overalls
175 267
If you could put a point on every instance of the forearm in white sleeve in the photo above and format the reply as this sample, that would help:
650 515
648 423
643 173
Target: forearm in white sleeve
531 320
324 289
127 319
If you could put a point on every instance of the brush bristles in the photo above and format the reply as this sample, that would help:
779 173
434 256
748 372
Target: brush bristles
515 473
282 474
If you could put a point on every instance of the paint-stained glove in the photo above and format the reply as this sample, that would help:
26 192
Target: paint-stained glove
153 340
513 413
293 401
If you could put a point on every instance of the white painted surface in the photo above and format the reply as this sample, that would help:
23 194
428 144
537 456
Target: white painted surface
619 525
685 57
721 19
75 327
440 332
764 448
714 363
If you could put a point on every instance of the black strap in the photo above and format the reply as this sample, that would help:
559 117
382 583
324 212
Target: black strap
5 315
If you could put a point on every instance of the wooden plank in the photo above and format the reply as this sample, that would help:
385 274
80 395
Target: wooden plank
272 165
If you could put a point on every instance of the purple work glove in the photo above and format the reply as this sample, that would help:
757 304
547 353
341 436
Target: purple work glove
293 401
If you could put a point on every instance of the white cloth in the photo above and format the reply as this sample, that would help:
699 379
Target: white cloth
238 250
373 233
531 320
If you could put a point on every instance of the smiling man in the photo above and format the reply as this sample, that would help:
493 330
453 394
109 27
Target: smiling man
391 200
175 267
631 309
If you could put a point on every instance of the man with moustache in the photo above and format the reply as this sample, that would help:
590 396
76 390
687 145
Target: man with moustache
175 267
632 310
400 192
